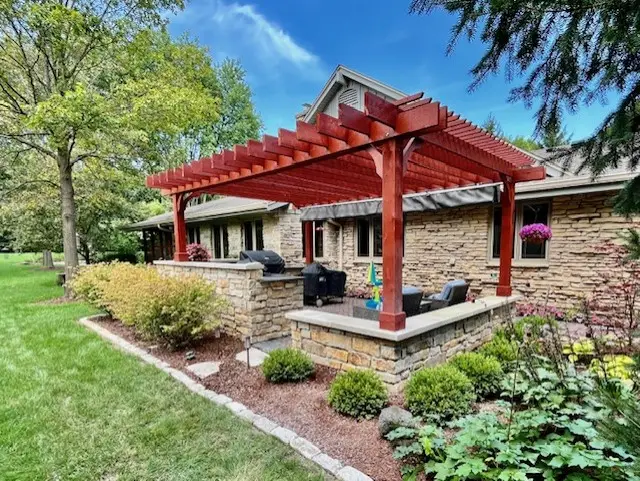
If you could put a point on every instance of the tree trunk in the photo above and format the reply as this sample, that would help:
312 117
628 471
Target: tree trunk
68 208
47 259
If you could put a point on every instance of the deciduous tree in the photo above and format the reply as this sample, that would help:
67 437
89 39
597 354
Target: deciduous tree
98 80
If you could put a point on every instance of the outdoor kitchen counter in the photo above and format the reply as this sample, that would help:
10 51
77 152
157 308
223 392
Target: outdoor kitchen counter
281 278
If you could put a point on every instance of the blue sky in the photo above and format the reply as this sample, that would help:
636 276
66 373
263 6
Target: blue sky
289 49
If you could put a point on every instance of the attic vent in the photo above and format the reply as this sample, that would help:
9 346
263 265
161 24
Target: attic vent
349 97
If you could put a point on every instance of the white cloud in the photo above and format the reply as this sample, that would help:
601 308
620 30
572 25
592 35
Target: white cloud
271 40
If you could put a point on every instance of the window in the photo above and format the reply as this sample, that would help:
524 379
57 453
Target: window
253 235
318 239
526 213
369 236
220 242
193 234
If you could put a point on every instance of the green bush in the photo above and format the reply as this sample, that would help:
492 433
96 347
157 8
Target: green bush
358 393
484 372
287 365
439 393
172 310
501 348
552 434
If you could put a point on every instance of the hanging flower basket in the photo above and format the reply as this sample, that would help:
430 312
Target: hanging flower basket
535 233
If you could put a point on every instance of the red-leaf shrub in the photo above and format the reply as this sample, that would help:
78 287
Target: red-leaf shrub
198 253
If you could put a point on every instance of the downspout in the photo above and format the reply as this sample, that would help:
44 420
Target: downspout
340 254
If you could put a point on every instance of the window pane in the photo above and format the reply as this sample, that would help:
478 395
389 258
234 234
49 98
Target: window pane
259 235
377 237
497 229
248 236
534 214
318 239
363 237
217 248
225 241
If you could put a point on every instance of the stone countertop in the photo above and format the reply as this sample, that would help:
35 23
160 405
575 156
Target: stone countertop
232 266
281 278
415 325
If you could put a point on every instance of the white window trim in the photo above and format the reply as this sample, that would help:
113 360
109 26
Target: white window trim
213 245
517 260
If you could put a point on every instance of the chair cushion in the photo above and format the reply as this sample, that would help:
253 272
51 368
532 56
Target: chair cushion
445 295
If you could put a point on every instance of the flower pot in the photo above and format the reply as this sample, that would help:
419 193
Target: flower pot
535 241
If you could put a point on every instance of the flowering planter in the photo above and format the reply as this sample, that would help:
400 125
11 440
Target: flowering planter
535 233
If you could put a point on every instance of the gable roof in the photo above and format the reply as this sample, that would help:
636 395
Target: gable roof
339 79
214 209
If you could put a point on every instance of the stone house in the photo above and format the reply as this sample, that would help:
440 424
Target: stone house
227 226
448 234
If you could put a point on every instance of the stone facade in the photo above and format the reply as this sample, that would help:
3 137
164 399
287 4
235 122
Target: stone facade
282 233
393 360
256 304
454 243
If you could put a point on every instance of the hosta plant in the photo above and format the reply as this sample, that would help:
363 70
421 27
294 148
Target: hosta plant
551 435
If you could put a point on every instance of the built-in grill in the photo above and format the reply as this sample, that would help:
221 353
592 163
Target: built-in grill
272 262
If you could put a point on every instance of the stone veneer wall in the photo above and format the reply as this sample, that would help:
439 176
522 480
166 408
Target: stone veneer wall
454 243
257 305
394 361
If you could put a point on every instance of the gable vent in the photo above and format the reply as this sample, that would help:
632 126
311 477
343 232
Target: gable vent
349 97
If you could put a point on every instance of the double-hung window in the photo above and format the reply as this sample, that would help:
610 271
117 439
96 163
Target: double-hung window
537 212
220 241
253 236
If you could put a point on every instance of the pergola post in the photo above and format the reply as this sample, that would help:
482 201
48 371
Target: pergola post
508 204
179 229
308 242
392 317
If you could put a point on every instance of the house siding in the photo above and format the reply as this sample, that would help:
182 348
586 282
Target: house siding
454 243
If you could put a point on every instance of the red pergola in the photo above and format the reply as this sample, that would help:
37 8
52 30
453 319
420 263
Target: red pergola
393 148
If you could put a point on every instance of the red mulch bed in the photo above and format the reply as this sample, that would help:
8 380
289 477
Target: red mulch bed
300 407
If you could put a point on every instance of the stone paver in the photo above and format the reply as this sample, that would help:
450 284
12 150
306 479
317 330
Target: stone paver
256 357
305 447
352 474
264 424
283 434
302 445
236 407
328 463
205 369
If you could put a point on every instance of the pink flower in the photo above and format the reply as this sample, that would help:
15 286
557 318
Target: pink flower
535 233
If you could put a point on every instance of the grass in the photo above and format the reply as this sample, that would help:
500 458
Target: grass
74 408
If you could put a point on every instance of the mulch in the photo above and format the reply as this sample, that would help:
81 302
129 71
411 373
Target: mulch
301 407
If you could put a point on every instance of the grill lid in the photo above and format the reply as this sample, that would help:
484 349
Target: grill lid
272 262
314 268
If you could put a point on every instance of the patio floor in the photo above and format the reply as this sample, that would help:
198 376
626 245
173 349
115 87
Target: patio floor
344 308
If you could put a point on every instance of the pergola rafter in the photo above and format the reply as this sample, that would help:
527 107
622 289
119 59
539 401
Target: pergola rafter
392 148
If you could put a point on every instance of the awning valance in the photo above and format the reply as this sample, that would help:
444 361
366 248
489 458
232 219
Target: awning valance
423 202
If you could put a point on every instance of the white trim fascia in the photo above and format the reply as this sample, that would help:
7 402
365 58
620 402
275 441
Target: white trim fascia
337 77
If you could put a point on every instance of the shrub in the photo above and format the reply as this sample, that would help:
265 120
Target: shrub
551 435
89 282
198 253
501 348
358 393
484 372
130 257
287 365
172 310
439 393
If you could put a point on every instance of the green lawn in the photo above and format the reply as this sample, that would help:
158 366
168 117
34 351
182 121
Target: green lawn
74 408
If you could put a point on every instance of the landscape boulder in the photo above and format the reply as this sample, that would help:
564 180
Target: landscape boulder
394 417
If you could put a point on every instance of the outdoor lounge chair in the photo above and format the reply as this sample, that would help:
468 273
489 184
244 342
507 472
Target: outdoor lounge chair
411 297
453 292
